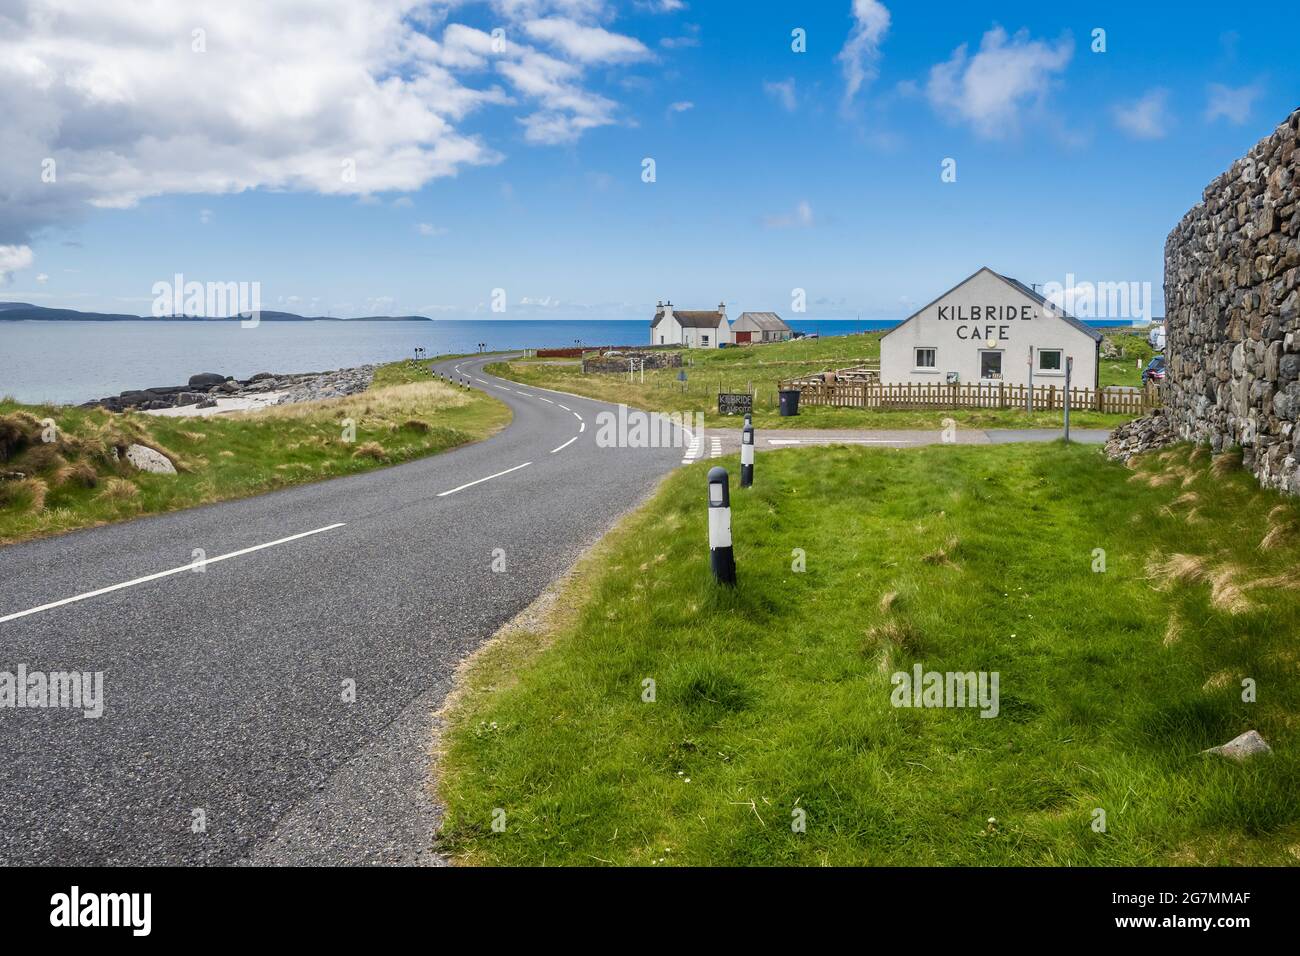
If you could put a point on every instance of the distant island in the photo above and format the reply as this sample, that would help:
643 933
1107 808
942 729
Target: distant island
26 312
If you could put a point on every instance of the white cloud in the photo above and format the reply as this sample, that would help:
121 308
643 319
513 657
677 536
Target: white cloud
354 98
429 229
587 44
783 92
991 89
681 106
205 216
13 258
1146 117
860 57
42 277
1230 103
801 217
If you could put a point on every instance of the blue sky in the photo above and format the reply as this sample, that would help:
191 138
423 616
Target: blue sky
522 169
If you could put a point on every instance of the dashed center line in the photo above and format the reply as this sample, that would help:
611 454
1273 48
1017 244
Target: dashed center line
162 574
565 407
479 481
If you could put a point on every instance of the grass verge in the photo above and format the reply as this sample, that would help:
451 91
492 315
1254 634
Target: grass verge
763 366
775 698
75 481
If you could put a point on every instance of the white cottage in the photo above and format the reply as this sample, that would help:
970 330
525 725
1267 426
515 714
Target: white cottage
986 330
696 330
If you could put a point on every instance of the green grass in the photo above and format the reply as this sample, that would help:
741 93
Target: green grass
776 696
74 482
1124 370
763 367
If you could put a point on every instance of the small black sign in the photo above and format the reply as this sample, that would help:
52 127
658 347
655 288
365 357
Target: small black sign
735 403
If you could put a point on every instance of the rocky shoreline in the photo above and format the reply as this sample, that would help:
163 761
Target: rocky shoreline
206 389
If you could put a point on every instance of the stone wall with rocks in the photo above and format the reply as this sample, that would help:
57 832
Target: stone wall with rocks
205 388
619 363
1231 302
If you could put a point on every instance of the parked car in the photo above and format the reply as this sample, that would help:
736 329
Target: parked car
1155 370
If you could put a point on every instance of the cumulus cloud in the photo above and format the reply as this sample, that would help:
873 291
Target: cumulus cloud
783 92
1230 103
586 43
681 106
13 258
860 57
108 104
1146 117
1005 77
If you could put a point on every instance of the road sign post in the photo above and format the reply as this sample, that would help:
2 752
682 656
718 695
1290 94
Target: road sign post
747 453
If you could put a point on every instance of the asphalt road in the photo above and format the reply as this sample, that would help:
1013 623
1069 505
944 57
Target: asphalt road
224 689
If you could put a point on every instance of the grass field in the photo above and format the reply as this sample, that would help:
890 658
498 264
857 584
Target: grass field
762 367
775 698
74 481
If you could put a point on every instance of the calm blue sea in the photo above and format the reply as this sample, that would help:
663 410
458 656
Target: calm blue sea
71 362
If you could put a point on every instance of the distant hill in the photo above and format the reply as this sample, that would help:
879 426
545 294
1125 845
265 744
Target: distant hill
26 312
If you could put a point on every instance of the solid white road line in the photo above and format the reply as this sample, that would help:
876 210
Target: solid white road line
163 574
470 484
565 445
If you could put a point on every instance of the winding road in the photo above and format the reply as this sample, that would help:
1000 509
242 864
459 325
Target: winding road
225 736
274 704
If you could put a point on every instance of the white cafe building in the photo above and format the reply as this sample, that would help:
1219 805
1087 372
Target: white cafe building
985 330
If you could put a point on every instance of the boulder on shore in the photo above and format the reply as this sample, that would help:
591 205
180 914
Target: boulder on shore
206 380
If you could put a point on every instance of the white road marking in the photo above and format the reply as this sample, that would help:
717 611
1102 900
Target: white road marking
565 445
525 394
479 380
470 484
715 447
839 441
546 400
565 407
162 574
577 416
582 428
502 387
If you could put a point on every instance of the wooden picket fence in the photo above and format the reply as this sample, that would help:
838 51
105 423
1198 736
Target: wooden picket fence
1112 400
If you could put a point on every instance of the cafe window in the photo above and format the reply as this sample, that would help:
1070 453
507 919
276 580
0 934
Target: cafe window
1049 360
991 365
927 358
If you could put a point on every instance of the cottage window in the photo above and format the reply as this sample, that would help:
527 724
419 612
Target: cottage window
704 339
991 365
927 358
1049 360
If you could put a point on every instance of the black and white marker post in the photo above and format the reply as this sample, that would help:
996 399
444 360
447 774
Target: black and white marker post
720 555
1069 373
747 453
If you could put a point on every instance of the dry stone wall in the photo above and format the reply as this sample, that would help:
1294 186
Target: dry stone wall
1231 302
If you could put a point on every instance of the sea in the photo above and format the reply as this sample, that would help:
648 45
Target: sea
72 362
